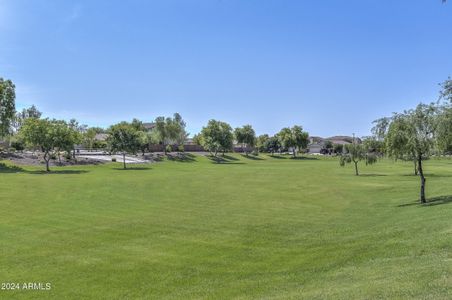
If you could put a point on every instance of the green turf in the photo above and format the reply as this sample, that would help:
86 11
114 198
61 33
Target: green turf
244 229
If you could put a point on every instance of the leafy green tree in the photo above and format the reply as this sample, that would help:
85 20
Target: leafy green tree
96 129
48 135
179 129
373 145
380 128
444 130
197 139
338 148
272 145
123 137
89 138
20 117
217 137
17 142
294 138
444 119
355 153
328 146
246 136
399 145
138 125
144 139
446 90
7 105
77 132
65 137
170 130
261 141
412 134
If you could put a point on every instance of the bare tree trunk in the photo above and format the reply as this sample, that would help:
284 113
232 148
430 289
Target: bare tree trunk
46 159
415 167
124 159
356 168
293 152
421 174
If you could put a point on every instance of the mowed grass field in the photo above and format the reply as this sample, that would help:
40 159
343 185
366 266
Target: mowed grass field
264 228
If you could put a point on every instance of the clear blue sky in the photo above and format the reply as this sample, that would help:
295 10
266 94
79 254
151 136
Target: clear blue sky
331 66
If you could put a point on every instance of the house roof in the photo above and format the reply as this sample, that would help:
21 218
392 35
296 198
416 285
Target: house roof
148 126
101 136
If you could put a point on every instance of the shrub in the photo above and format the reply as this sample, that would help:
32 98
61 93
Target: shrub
168 148
53 156
113 159
18 145
180 148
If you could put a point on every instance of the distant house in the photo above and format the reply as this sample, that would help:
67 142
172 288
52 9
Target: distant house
101 137
317 144
189 141
343 140
149 126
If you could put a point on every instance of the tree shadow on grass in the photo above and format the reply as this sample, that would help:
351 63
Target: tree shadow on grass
10 169
52 171
227 159
372 175
181 157
278 157
16 169
251 157
304 158
133 169
433 175
439 200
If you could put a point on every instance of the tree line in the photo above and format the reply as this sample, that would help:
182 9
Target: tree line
27 129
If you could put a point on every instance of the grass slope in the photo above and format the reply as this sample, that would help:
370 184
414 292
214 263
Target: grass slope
265 228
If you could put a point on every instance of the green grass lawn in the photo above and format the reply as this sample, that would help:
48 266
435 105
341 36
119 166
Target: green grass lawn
244 229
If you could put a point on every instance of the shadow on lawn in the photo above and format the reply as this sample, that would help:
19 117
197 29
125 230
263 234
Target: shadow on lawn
251 157
430 201
226 159
15 169
431 175
294 158
181 157
133 169
372 175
